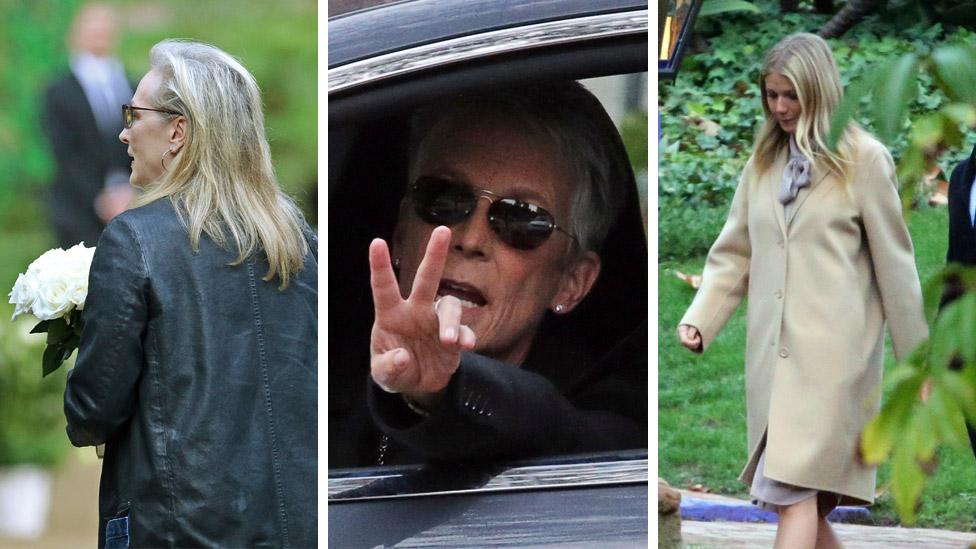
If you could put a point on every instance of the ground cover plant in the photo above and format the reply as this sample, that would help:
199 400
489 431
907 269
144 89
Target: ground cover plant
708 116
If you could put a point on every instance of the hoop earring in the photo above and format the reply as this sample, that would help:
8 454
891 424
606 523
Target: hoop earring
162 159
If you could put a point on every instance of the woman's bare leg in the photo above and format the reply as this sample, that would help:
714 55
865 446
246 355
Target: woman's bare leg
826 539
798 525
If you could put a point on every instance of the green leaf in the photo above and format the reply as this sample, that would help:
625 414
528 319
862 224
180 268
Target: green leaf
41 327
58 331
879 436
712 7
954 68
53 358
927 130
848 106
946 416
891 100
907 480
932 294
961 113
927 439
877 440
910 170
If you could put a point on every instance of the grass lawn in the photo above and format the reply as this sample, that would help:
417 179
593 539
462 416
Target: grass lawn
701 401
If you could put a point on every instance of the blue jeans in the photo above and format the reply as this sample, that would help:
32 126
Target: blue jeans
117 533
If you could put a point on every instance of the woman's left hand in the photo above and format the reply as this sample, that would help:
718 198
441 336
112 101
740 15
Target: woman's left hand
416 343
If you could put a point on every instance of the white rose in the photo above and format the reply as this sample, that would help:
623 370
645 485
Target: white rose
54 284
77 292
78 267
49 261
53 300
24 294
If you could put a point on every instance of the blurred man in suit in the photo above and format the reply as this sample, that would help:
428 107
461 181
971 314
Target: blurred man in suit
82 119
962 231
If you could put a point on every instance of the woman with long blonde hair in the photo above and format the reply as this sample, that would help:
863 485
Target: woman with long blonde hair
816 241
197 366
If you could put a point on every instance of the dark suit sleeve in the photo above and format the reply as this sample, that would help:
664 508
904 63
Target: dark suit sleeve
101 391
65 137
959 182
956 180
495 410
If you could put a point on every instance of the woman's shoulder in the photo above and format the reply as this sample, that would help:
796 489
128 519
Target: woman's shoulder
868 147
157 216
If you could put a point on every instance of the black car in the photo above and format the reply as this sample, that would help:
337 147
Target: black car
385 60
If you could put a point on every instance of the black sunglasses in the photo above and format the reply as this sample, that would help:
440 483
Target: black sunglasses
127 118
522 225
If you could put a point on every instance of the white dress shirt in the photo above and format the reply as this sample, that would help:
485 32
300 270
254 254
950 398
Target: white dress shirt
972 203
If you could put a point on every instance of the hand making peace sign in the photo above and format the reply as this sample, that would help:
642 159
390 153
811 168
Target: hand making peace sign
416 343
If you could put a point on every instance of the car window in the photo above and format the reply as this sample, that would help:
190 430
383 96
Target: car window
596 353
369 165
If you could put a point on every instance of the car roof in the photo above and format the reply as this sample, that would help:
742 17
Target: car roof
360 29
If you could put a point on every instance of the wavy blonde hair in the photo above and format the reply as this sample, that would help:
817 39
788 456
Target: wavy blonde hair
222 181
807 62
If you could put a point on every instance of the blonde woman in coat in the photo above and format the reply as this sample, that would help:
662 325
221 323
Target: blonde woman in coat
815 239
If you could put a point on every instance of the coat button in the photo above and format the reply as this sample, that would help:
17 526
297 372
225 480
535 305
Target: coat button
779 294
784 352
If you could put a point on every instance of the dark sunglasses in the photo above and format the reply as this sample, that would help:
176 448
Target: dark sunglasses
127 118
522 225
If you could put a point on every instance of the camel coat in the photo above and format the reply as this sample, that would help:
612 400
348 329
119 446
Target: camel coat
820 284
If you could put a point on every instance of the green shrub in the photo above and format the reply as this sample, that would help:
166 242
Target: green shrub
719 83
685 232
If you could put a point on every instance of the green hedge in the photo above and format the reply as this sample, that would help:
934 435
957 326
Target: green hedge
720 84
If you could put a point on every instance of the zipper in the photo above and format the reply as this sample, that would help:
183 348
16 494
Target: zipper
384 446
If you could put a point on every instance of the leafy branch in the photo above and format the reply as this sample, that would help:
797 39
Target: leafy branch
909 430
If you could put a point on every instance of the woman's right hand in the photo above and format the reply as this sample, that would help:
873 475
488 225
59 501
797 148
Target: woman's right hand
690 337
416 343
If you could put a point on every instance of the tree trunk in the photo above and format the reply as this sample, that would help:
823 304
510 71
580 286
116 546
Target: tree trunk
824 6
848 16
786 6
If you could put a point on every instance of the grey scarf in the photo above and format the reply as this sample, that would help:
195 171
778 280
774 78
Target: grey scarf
795 176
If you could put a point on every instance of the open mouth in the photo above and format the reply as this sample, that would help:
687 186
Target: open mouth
468 295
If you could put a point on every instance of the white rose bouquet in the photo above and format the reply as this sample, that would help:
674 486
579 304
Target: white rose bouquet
54 290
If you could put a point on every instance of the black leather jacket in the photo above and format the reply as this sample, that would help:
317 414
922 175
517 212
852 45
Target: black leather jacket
200 378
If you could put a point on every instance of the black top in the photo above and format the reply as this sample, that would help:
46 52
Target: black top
200 379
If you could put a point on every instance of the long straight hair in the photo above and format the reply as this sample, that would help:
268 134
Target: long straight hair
222 181
807 62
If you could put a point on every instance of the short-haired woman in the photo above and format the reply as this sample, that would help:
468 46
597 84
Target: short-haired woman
501 237
816 240
197 366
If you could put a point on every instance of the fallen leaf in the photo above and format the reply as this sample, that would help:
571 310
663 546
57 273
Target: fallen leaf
693 280
708 127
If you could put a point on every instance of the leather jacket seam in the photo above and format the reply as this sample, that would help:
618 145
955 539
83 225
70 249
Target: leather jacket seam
265 378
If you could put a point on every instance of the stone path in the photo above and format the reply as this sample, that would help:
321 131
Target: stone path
73 520
736 535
